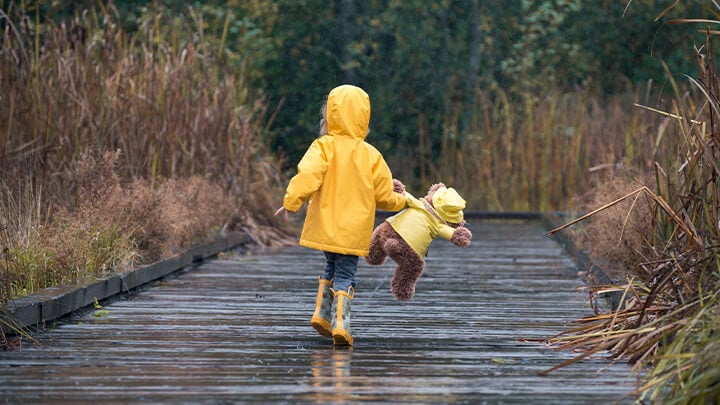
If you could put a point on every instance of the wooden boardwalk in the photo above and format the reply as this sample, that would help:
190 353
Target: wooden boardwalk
236 330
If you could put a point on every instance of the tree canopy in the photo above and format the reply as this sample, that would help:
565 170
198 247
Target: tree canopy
421 61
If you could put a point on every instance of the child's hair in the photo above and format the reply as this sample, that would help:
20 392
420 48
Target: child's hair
323 120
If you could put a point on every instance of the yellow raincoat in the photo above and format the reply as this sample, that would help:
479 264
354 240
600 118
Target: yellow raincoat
344 178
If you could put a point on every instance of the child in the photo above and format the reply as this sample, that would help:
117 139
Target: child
344 179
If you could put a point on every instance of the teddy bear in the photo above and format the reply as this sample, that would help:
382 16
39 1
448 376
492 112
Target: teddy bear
405 237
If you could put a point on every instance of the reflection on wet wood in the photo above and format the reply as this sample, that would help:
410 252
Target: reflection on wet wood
237 329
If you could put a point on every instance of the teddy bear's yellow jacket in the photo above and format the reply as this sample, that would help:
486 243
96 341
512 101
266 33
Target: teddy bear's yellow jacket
418 227
343 178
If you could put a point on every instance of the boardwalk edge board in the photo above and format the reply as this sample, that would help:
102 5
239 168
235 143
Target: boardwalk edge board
469 215
49 304
593 273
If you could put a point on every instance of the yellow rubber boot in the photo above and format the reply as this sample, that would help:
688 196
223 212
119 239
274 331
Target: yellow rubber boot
323 304
341 333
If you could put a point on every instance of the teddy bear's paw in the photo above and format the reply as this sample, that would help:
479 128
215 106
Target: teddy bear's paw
461 237
403 294
375 259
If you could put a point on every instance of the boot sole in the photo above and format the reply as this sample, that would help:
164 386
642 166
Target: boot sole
321 326
342 338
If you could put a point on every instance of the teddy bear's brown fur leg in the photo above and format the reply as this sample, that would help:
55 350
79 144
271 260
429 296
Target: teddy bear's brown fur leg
409 268
377 253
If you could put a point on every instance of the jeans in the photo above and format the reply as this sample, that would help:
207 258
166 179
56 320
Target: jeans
342 268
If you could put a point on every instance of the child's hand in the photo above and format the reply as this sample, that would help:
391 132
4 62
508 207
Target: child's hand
398 186
282 210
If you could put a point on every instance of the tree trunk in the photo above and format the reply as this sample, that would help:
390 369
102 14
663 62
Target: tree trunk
473 67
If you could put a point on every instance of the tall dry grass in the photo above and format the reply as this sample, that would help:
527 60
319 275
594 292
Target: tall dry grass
666 325
118 148
539 153
167 104
618 238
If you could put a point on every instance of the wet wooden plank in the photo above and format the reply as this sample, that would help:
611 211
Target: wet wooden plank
237 329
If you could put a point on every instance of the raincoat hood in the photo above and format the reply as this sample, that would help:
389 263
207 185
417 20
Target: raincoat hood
348 112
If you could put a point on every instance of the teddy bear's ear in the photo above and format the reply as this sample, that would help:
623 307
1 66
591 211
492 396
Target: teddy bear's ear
435 187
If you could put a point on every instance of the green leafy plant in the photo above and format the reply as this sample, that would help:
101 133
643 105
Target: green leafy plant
99 312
